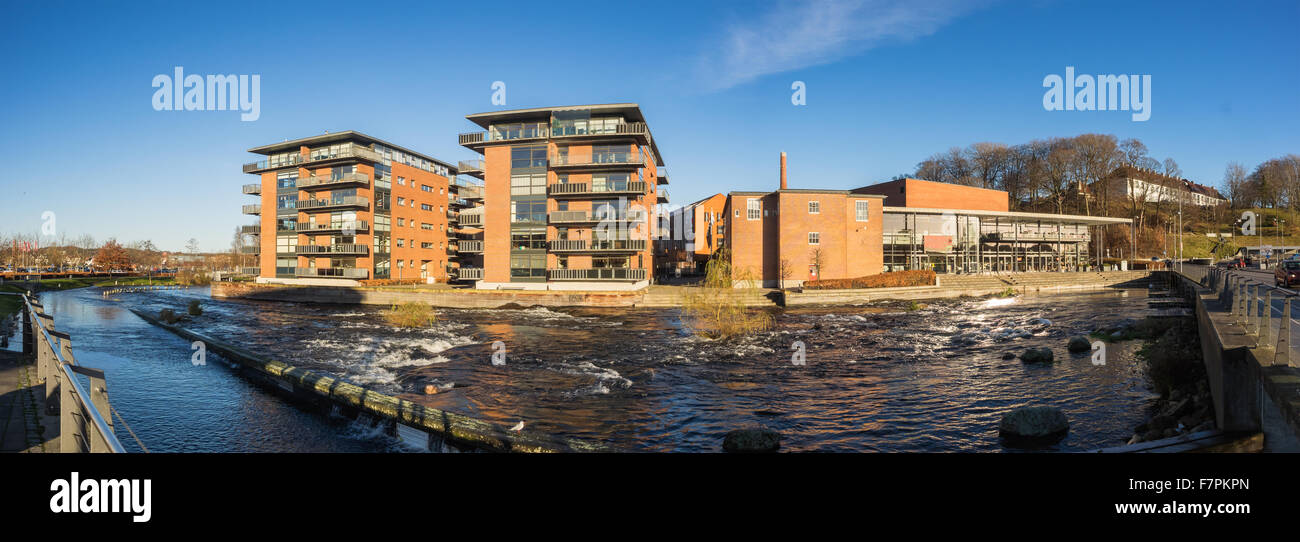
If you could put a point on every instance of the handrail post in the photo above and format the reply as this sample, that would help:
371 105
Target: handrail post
1251 291
1266 318
29 334
1283 349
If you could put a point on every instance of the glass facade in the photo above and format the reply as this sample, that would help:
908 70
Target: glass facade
959 243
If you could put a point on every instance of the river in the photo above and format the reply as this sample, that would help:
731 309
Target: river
877 377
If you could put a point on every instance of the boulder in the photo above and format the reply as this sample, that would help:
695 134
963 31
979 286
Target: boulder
1034 426
1080 343
1037 355
1009 355
756 440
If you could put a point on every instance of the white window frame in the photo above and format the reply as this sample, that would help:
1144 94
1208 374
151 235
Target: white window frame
814 207
814 238
862 210
753 209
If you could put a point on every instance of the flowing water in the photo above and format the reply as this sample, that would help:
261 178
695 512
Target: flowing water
877 377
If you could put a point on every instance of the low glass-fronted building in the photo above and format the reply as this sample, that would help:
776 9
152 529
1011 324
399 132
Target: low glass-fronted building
971 241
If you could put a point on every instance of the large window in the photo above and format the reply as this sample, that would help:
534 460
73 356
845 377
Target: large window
528 265
606 182
286 202
528 239
814 207
863 210
285 244
287 179
753 209
814 238
528 211
526 157
528 184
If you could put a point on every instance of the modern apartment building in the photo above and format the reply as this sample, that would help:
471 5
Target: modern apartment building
341 207
694 234
569 196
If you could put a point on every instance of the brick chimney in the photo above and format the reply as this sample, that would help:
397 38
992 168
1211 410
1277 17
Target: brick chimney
783 187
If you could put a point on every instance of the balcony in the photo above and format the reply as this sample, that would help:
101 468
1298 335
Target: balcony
253 189
587 189
346 180
567 130
506 132
325 250
332 204
470 273
255 271
473 168
354 152
251 229
355 226
470 245
607 245
471 219
332 272
253 209
587 217
598 274
599 160
663 176
255 249
663 195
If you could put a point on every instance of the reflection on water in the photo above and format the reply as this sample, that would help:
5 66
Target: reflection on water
877 378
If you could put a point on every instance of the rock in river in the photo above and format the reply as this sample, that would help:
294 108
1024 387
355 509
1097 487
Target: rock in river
1037 355
756 440
1080 343
1034 426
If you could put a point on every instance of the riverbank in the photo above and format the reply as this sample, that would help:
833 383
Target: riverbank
659 296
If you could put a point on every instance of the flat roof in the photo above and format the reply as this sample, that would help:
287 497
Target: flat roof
805 191
1079 219
630 112
338 137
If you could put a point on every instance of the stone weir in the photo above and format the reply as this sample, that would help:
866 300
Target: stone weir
418 425
447 298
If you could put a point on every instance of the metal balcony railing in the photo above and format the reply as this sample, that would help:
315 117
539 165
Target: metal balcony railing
596 274
326 227
340 248
470 273
469 192
309 205
255 271
570 129
473 168
317 155
255 249
471 219
630 187
253 209
630 158
576 217
470 245
315 182
250 229
506 132
332 272
254 188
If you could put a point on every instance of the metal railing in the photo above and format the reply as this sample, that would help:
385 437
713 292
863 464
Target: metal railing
254 188
596 274
471 219
587 216
345 201
250 228
470 167
469 245
1255 305
318 155
253 209
600 159
85 415
470 273
632 187
597 245
338 248
353 225
251 270
315 182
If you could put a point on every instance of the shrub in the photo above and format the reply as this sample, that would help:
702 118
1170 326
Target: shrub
390 282
194 308
894 279
413 314
717 310
168 316
189 277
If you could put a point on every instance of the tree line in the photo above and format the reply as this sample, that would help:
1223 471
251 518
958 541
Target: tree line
1273 184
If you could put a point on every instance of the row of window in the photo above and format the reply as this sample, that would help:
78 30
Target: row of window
754 209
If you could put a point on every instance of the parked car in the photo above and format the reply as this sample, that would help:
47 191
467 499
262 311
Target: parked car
1287 273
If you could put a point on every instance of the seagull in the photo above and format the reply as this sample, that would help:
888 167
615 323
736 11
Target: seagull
518 427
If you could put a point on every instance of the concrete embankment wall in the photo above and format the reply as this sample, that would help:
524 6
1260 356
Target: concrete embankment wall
1251 393
462 299
406 420
672 296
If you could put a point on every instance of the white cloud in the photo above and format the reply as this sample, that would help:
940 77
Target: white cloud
811 33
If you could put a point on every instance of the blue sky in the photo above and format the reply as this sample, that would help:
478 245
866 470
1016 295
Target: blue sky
888 84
